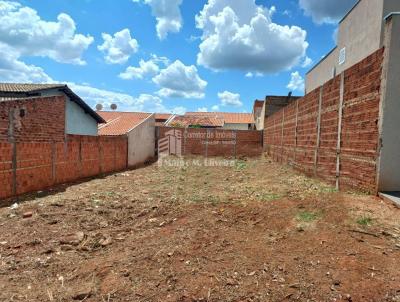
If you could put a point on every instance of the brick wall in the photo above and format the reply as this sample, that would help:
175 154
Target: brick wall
43 155
305 133
36 119
218 142
40 165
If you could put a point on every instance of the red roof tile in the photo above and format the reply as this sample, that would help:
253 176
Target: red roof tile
120 123
192 120
227 117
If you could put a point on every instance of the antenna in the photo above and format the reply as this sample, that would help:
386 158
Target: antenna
99 107
113 107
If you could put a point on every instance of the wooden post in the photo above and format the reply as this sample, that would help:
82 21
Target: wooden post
318 130
339 137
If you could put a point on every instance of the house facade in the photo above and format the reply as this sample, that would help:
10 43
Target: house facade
78 117
140 129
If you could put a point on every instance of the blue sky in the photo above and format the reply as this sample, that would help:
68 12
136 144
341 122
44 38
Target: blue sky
234 52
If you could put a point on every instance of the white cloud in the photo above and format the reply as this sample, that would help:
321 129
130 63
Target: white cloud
180 81
307 62
14 70
251 74
230 99
118 48
202 109
296 82
23 29
179 110
145 69
125 102
168 16
241 35
215 108
326 11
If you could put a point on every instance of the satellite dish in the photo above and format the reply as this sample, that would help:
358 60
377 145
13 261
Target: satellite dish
114 107
99 107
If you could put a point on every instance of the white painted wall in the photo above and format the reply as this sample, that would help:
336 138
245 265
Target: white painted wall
77 121
141 142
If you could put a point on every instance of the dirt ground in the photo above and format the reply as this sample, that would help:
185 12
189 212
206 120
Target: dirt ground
256 231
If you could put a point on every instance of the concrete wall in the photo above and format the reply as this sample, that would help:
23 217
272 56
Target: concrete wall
77 121
361 33
236 126
259 115
389 163
141 142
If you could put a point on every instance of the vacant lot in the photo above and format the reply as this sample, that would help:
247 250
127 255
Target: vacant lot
253 232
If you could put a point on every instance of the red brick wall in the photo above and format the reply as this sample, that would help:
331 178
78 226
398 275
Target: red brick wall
359 138
218 142
44 119
41 165
44 155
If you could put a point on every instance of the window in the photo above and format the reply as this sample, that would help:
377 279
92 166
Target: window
342 56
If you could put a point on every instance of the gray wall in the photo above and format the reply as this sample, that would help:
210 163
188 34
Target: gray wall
389 163
361 33
141 142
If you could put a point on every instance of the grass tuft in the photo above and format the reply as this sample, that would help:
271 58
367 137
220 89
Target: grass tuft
365 221
307 216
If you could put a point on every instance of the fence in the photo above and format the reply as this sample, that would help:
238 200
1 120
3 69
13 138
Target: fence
32 166
210 142
332 132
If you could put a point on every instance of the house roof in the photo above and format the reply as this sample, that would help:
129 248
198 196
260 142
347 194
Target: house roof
163 116
14 91
197 120
120 123
227 117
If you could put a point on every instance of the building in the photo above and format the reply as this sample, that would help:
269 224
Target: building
79 118
195 121
259 113
227 120
162 118
360 33
139 127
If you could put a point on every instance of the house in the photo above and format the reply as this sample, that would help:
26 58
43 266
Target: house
195 121
139 127
274 103
228 120
360 33
162 118
79 118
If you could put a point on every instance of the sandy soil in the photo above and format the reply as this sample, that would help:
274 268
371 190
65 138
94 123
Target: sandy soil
257 231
